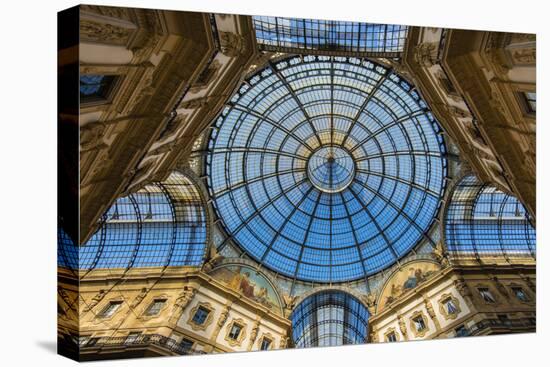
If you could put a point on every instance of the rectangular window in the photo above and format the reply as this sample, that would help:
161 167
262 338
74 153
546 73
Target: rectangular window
419 323
520 294
155 307
95 88
504 320
266 343
200 315
486 295
450 306
186 345
531 99
235 331
110 309
461 331
391 337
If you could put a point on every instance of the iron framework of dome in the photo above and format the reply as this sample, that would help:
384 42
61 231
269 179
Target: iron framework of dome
326 169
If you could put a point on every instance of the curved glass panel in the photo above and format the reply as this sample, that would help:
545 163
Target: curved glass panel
483 221
163 224
296 34
326 169
329 318
330 169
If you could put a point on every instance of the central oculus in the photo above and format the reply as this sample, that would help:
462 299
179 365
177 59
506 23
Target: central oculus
330 169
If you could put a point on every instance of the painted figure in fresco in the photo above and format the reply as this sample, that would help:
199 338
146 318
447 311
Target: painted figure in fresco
261 297
413 279
244 283
235 282
246 286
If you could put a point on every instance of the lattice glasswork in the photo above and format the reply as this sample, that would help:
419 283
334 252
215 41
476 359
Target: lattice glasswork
95 87
351 210
163 224
483 221
329 318
314 35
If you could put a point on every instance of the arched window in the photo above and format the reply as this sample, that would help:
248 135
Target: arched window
163 224
483 221
329 318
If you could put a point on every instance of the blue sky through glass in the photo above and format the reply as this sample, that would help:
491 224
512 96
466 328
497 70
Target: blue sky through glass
276 33
265 140
484 221
163 224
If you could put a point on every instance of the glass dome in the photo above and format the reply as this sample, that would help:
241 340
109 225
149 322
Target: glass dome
326 169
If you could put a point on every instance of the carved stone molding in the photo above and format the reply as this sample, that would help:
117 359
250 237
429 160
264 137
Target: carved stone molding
283 344
232 44
184 298
95 300
443 309
266 336
139 298
419 333
440 254
389 332
373 336
426 54
370 301
402 326
524 56
206 322
206 76
463 288
66 298
108 11
195 103
236 342
221 320
254 334
103 32
429 308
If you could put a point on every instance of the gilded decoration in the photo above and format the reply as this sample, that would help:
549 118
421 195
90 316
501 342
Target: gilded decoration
370 301
405 279
235 342
390 331
254 333
251 284
443 306
402 326
266 336
209 318
419 333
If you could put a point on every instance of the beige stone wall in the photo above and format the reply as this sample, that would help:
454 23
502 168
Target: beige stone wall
174 72
175 317
462 285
